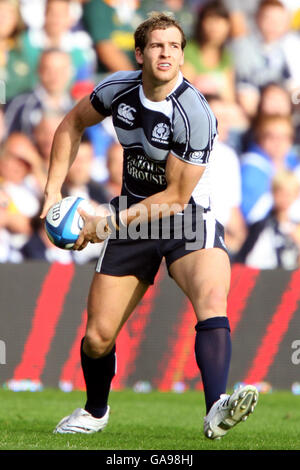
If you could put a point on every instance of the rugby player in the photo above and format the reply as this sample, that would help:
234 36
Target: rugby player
167 131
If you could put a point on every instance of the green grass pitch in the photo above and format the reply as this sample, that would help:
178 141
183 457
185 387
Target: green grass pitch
152 421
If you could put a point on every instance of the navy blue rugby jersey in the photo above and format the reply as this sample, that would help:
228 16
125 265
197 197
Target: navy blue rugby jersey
182 124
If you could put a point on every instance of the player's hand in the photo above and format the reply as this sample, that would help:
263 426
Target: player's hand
50 199
93 230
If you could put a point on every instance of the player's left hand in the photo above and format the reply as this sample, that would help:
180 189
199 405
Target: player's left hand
50 199
90 230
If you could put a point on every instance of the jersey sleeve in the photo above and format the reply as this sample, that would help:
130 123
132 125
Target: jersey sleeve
194 128
104 93
102 96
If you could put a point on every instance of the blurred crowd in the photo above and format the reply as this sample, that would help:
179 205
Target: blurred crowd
243 56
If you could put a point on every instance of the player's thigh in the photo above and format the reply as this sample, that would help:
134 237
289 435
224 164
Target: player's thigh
204 276
111 301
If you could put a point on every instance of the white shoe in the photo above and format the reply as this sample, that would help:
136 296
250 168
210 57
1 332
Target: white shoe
230 410
81 421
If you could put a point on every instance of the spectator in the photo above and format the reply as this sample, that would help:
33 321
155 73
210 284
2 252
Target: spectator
57 33
274 99
296 117
50 95
43 134
21 151
2 125
19 194
111 26
242 16
208 63
15 69
270 55
79 182
231 118
101 135
274 241
33 12
115 169
270 152
225 177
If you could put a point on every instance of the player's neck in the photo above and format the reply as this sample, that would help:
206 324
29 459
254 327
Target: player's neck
160 90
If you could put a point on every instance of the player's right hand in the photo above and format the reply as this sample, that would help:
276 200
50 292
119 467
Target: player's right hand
93 227
49 200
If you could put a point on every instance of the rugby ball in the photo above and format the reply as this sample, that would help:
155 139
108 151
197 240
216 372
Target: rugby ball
63 222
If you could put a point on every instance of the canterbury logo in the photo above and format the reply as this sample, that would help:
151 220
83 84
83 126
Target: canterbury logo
125 111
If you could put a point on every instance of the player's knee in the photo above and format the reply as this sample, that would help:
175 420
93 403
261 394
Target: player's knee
214 301
97 343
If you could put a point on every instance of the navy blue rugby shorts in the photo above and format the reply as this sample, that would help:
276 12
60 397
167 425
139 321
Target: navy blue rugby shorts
140 252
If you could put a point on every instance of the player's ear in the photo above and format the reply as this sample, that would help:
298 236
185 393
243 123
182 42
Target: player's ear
139 56
182 59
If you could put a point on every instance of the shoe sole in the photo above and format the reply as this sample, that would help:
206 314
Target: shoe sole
241 407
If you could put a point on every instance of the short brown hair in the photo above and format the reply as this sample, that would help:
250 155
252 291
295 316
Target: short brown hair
270 3
285 178
156 20
214 9
266 120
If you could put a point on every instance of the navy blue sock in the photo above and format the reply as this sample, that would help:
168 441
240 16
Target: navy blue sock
98 374
213 354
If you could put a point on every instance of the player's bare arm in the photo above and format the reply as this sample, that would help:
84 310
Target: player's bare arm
65 146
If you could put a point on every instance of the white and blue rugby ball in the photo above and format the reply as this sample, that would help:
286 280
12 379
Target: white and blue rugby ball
63 222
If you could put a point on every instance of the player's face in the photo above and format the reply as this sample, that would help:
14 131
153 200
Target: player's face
162 56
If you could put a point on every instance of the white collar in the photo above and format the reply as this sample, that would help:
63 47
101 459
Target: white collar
162 106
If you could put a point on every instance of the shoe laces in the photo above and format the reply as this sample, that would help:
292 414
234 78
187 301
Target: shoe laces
225 401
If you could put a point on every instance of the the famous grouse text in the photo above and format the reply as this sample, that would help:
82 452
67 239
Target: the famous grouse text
140 168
